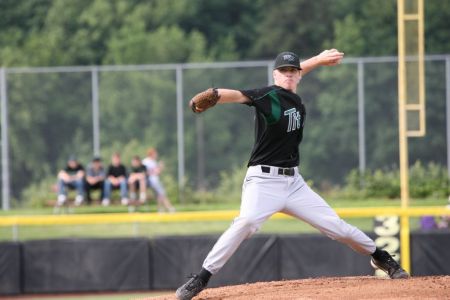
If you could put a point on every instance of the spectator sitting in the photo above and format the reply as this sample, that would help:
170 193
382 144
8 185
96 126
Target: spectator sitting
72 177
444 221
428 223
95 177
116 178
137 178
153 170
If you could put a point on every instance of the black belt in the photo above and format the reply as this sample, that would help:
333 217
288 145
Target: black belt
281 171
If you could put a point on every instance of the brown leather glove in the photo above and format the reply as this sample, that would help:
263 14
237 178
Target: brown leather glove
204 100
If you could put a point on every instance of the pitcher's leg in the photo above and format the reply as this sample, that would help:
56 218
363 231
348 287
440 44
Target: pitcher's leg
259 202
308 206
228 243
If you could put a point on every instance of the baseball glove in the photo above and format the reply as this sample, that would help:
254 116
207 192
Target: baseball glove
204 100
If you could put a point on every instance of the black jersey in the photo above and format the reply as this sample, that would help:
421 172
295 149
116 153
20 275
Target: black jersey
280 117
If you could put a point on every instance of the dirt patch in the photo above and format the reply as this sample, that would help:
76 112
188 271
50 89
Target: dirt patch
367 287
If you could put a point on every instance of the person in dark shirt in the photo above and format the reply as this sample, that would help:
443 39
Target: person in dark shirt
95 178
137 179
116 179
72 177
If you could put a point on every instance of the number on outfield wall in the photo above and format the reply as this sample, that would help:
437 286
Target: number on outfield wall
387 229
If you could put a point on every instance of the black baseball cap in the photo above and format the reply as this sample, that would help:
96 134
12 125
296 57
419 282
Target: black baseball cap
287 59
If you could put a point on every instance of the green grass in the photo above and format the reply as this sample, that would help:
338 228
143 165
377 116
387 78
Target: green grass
284 226
109 296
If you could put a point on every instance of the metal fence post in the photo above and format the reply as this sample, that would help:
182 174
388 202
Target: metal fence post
447 101
180 132
361 118
199 126
4 141
95 112
269 73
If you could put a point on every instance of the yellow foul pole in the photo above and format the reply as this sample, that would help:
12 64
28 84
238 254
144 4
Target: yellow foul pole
411 99
403 139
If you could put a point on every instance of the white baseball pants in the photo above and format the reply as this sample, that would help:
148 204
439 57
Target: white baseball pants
264 194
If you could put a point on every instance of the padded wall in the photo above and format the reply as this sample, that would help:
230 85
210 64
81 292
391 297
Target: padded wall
86 265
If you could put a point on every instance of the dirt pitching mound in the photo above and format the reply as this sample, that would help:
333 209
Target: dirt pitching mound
367 287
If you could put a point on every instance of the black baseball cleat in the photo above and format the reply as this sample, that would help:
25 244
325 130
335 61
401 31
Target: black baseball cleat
191 288
387 264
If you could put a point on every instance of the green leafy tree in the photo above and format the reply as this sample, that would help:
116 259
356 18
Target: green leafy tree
293 25
40 138
19 20
362 29
50 114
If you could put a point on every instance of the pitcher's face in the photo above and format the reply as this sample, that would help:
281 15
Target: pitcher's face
287 77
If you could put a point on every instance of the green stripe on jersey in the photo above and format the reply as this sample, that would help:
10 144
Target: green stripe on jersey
275 108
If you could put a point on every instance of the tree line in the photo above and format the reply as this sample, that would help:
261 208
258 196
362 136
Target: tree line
49 116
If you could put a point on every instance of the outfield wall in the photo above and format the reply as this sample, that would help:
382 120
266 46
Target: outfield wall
81 265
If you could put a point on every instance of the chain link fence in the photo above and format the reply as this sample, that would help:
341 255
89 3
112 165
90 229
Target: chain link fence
48 114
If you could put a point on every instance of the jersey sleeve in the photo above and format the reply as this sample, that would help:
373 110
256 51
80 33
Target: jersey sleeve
260 98
256 94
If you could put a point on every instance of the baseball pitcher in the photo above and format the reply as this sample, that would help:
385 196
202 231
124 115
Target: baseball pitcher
273 182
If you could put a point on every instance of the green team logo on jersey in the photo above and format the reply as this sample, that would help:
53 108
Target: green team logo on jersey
295 119
275 108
